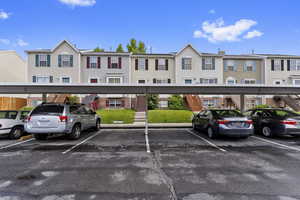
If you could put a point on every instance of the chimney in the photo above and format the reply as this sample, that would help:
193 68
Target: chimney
222 53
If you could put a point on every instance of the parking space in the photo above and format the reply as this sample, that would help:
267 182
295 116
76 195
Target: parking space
183 164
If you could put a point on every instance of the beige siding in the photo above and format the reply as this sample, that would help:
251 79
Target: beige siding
12 67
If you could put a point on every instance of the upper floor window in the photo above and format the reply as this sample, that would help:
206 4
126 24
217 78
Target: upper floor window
186 63
65 60
208 63
250 66
161 64
208 80
294 65
277 65
42 60
93 61
141 64
229 65
114 80
114 62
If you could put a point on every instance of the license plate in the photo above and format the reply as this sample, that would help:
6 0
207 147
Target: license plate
237 124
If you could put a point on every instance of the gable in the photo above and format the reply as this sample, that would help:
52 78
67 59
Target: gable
188 49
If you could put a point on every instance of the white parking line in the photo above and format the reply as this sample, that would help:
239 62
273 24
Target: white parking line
147 144
207 141
80 143
276 143
15 144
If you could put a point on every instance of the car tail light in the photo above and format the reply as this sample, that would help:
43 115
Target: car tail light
249 122
287 122
63 118
27 119
223 121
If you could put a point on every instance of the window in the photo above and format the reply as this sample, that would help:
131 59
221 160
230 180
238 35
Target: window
114 62
142 64
65 60
114 80
24 114
65 80
43 60
8 114
249 81
230 68
249 68
296 81
93 80
42 79
210 103
163 104
93 61
295 65
186 63
208 81
188 81
161 64
114 103
208 64
231 81
229 65
141 81
277 65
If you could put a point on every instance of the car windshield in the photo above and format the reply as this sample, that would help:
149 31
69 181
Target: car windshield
228 113
48 110
8 114
283 113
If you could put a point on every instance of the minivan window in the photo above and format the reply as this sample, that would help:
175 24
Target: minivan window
48 110
228 113
8 114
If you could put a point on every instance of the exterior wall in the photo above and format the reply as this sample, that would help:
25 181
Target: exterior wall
196 72
54 70
12 67
104 72
151 73
239 74
286 77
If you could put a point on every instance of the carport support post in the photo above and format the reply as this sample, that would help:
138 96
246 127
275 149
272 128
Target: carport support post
242 102
146 124
44 97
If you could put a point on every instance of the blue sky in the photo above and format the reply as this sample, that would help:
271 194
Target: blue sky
235 26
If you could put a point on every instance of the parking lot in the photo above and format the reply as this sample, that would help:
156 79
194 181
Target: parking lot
113 164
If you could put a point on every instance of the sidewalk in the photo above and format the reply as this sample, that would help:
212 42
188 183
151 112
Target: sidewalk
142 125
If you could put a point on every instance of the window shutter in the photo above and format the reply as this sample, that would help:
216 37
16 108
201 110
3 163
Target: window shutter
201 80
107 103
235 66
37 60
120 62
154 80
282 65
59 60
156 64
214 63
146 63
182 63
216 81
99 62
167 64
289 65
88 62
71 60
169 81
272 65
136 64
203 63
108 62
51 79
48 60
225 66
254 66
34 79
245 67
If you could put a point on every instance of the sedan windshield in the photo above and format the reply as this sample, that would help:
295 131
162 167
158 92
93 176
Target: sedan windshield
8 114
228 113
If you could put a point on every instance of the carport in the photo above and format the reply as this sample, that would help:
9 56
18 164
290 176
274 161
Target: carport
241 90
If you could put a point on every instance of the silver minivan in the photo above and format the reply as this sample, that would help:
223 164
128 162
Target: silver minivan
69 119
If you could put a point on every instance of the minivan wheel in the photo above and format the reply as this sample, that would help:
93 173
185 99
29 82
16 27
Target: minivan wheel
16 133
40 136
76 131
98 125
267 132
211 133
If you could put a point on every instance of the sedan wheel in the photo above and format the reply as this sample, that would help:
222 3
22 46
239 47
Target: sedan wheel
16 133
267 132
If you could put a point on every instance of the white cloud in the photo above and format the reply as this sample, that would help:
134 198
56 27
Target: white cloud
22 43
253 34
4 15
212 11
4 41
74 3
217 31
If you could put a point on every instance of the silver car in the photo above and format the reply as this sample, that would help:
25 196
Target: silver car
52 118
12 123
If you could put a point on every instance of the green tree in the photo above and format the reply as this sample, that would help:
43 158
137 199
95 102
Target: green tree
120 49
152 101
98 49
133 47
176 102
73 99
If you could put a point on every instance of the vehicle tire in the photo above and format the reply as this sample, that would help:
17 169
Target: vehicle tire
267 132
98 125
40 136
211 133
16 133
76 132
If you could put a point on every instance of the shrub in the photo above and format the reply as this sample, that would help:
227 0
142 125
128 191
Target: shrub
176 102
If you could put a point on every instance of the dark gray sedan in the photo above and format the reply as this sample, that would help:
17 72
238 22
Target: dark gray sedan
225 122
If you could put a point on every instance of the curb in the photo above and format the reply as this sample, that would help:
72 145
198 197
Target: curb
143 127
26 137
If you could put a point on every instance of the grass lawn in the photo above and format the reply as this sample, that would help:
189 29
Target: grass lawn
27 108
109 116
170 116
